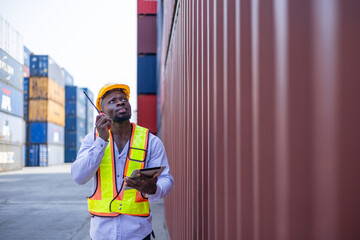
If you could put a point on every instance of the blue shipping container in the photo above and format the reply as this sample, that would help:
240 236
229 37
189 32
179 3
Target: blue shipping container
45 66
73 123
11 100
10 71
146 72
43 155
68 79
75 93
75 108
73 139
33 153
70 154
27 54
46 132
26 96
89 110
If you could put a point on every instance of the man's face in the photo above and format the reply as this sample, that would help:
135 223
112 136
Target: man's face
116 106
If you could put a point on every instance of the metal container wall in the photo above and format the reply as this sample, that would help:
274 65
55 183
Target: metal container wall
90 124
75 93
46 88
146 37
33 153
146 112
146 6
146 74
159 27
68 78
10 71
70 154
75 108
11 41
46 132
261 119
46 110
27 54
56 154
12 129
26 97
25 71
73 123
10 157
11 100
45 66
45 154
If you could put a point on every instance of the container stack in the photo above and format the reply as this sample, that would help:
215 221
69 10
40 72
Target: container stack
146 82
12 125
75 123
26 75
68 78
26 65
89 111
46 114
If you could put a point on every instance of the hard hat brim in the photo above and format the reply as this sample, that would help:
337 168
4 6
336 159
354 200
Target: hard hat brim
109 87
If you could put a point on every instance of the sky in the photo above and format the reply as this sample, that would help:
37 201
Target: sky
95 41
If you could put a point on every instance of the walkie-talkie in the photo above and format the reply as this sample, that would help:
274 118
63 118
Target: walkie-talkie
99 112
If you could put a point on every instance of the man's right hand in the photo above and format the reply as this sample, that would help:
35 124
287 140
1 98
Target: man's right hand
103 124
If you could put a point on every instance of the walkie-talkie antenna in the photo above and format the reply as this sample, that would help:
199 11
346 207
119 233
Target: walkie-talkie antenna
92 102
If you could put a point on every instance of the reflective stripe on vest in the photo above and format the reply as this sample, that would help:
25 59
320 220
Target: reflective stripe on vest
106 201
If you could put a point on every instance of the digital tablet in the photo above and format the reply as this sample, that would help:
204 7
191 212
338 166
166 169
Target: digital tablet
148 172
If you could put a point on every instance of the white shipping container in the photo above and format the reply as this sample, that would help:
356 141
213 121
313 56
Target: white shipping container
10 157
11 41
55 154
12 129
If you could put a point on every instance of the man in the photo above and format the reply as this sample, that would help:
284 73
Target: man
109 155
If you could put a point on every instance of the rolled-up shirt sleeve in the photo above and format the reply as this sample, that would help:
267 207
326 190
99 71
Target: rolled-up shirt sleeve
165 181
88 159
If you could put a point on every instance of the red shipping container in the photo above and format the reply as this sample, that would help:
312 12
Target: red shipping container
147 35
260 119
147 6
146 112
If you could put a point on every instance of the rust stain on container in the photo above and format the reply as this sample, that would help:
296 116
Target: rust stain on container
260 118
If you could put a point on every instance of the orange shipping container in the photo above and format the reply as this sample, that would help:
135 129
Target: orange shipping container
46 88
46 110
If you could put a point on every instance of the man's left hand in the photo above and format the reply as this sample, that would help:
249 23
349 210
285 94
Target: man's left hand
143 184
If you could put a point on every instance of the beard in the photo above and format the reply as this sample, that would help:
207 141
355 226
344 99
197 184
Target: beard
122 119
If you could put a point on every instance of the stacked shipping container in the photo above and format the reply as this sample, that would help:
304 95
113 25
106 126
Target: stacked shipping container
261 119
89 111
12 125
146 73
46 114
11 41
26 65
76 121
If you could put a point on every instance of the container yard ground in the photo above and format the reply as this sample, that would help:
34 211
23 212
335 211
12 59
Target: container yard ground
45 203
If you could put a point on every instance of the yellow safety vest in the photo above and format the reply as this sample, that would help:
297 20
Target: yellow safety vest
106 200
